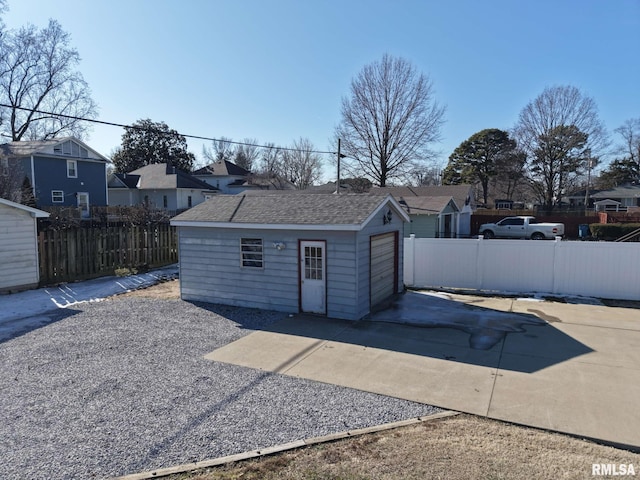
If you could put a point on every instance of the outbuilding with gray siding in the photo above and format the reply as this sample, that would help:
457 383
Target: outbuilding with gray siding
19 265
333 255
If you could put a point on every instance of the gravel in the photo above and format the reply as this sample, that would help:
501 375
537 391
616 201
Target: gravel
121 386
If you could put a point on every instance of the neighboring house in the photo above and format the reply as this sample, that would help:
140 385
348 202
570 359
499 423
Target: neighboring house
576 199
334 255
624 196
223 175
158 186
231 179
19 265
63 172
442 211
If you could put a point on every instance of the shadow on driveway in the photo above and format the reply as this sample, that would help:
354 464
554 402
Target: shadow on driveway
416 324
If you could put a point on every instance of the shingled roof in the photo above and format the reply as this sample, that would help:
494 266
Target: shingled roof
26 148
161 176
285 209
221 168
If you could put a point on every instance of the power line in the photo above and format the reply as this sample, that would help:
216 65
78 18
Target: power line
135 127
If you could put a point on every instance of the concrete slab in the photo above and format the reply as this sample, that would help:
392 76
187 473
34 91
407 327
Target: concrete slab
596 315
584 399
576 372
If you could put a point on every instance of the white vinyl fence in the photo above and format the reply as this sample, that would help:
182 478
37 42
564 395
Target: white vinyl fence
593 269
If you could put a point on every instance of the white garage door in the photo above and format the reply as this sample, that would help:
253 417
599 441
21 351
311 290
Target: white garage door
383 267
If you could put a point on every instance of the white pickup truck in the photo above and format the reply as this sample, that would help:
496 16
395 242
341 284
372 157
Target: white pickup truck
522 227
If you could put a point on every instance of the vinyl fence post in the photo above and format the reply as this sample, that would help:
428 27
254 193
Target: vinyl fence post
480 262
410 276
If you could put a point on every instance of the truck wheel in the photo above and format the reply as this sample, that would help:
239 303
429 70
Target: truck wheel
537 236
488 234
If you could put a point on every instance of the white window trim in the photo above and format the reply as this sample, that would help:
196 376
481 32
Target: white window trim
53 196
254 252
75 168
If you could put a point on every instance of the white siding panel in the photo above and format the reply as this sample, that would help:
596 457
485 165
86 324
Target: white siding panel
594 269
18 249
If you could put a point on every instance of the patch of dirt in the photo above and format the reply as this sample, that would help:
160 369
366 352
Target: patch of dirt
165 290
453 448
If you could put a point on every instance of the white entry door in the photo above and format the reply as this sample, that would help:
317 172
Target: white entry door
313 282
83 204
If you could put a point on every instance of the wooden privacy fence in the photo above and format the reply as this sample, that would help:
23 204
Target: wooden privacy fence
80 253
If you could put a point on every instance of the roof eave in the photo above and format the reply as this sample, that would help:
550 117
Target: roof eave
268 226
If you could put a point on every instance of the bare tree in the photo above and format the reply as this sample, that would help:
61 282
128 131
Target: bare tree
38 74
270 160
560 132
630 133
11 179
301 165
389 121
247 154
221 150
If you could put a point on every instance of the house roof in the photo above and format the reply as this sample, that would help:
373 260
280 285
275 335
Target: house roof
34 147
623 191
426 205
222 168
459 193
159 176
351 212
33 211
406 197
123 180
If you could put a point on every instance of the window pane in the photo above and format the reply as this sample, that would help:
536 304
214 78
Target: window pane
251 252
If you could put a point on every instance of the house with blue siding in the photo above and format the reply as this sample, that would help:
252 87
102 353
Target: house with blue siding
334 255
64 172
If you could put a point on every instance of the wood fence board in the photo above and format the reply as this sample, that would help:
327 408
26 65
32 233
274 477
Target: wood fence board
80 253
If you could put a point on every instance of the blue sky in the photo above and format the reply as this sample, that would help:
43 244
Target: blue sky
276 70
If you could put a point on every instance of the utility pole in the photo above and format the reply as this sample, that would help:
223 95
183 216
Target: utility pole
338 179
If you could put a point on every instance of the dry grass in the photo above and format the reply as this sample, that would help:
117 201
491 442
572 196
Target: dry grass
453 448
169 290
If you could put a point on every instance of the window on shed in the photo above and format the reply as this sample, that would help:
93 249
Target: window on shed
72 169
251 252
57 196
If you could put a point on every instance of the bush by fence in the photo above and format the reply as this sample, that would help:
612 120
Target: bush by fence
612 231
80 253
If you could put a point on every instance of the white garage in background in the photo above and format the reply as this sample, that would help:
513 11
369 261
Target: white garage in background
19 265
333 255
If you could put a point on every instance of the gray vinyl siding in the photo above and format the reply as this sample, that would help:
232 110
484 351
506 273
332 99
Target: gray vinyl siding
341 275
18 249
210 269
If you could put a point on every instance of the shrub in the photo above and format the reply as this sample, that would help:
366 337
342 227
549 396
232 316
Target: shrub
612 231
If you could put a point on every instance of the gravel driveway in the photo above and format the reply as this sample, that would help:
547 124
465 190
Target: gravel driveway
121 386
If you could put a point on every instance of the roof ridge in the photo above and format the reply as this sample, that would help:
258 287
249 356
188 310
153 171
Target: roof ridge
237 207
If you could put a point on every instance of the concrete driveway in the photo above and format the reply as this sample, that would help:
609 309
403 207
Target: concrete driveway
572 368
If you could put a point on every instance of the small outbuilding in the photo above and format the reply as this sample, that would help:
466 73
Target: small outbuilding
334 255
19 264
